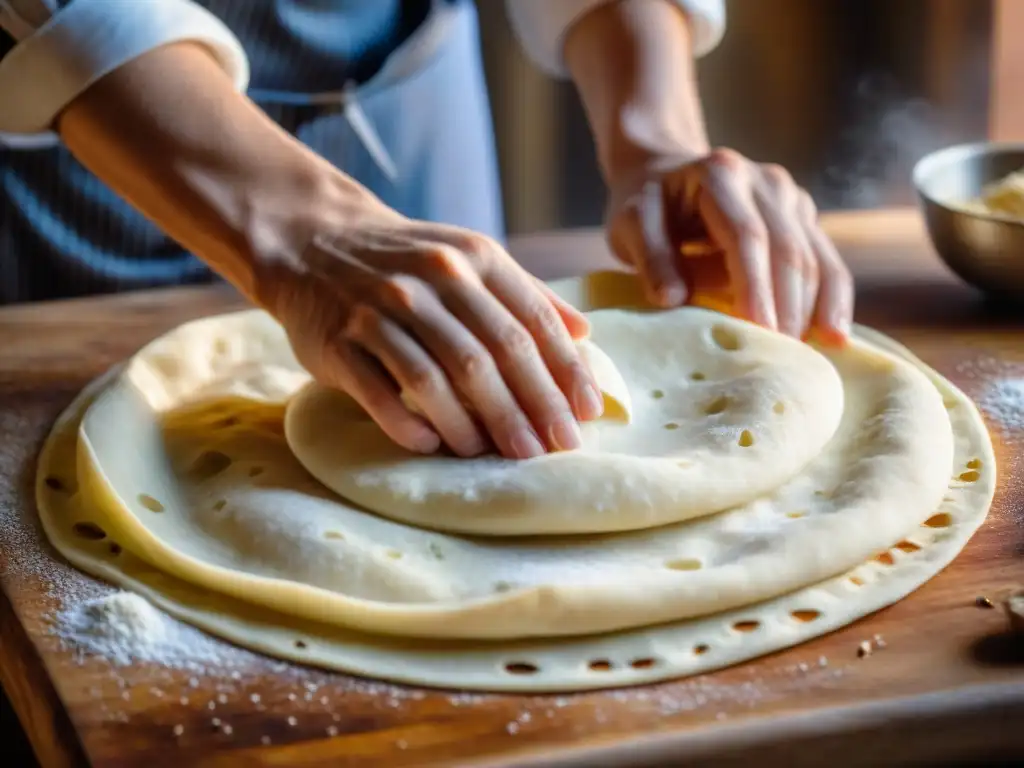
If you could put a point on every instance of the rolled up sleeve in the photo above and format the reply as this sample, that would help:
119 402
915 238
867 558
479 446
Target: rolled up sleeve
541 26
59 52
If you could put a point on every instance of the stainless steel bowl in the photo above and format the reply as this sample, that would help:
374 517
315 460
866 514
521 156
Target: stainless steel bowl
986 251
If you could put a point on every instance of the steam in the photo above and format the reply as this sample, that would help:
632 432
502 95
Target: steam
873 159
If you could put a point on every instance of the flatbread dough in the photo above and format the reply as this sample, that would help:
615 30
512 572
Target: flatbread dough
72 513
721 412
211 493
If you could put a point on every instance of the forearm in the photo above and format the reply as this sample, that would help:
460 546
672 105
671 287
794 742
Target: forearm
169 133
633 64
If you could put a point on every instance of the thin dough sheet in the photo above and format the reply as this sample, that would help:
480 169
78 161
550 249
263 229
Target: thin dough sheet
82 531
206 490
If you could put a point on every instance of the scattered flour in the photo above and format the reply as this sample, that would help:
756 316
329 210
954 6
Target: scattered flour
1003 401
123 628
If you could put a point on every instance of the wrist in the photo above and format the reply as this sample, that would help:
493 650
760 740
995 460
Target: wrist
633 66
641 142
284 215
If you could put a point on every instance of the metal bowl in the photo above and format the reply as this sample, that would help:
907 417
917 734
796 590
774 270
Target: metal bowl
987 251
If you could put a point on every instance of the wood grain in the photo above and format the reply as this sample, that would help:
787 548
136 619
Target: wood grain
949 683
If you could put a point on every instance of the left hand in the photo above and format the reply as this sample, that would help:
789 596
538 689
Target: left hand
726 232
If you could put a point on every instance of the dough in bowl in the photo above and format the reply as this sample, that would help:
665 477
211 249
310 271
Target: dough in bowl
720 412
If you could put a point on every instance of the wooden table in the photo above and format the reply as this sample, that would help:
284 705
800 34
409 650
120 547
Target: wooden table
948 685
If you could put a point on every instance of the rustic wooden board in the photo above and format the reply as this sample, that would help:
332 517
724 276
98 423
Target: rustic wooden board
949 682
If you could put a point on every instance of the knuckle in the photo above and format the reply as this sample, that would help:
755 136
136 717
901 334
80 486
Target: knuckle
787 251
444 262
515 342
481 250
808 207
400 291
471 364
752 231
363 321
546 323
776 175
421 380
724 157
542 320
578 371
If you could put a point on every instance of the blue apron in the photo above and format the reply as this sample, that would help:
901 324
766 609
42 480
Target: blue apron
64 233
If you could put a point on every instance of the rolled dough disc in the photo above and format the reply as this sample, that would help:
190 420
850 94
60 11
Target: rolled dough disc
84 525
721 412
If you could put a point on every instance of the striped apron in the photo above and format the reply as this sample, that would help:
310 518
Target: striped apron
389 91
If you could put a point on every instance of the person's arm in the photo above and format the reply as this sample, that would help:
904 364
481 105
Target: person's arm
633 64
375 303
97 73
204 163
353 282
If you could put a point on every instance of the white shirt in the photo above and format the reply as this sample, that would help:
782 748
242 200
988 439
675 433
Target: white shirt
61 53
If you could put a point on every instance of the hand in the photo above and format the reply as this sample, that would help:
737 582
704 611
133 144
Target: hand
391 306
763 252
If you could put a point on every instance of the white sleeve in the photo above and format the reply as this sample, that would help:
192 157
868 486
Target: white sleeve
59 52
541 26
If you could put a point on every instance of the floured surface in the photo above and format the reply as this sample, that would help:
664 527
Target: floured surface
666 651
722 413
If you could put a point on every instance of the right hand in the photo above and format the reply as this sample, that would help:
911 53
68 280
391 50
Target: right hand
386 305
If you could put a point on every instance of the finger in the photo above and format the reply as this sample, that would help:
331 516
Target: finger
575 322
516 302
640 237
525 335
468 364
807 213
524 369
346 368
733 221
833 314
419 375
789 249
485 254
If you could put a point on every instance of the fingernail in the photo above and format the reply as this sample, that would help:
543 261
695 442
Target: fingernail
588 401
526 444
843 326
471 446
565 434
426 442
671 295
